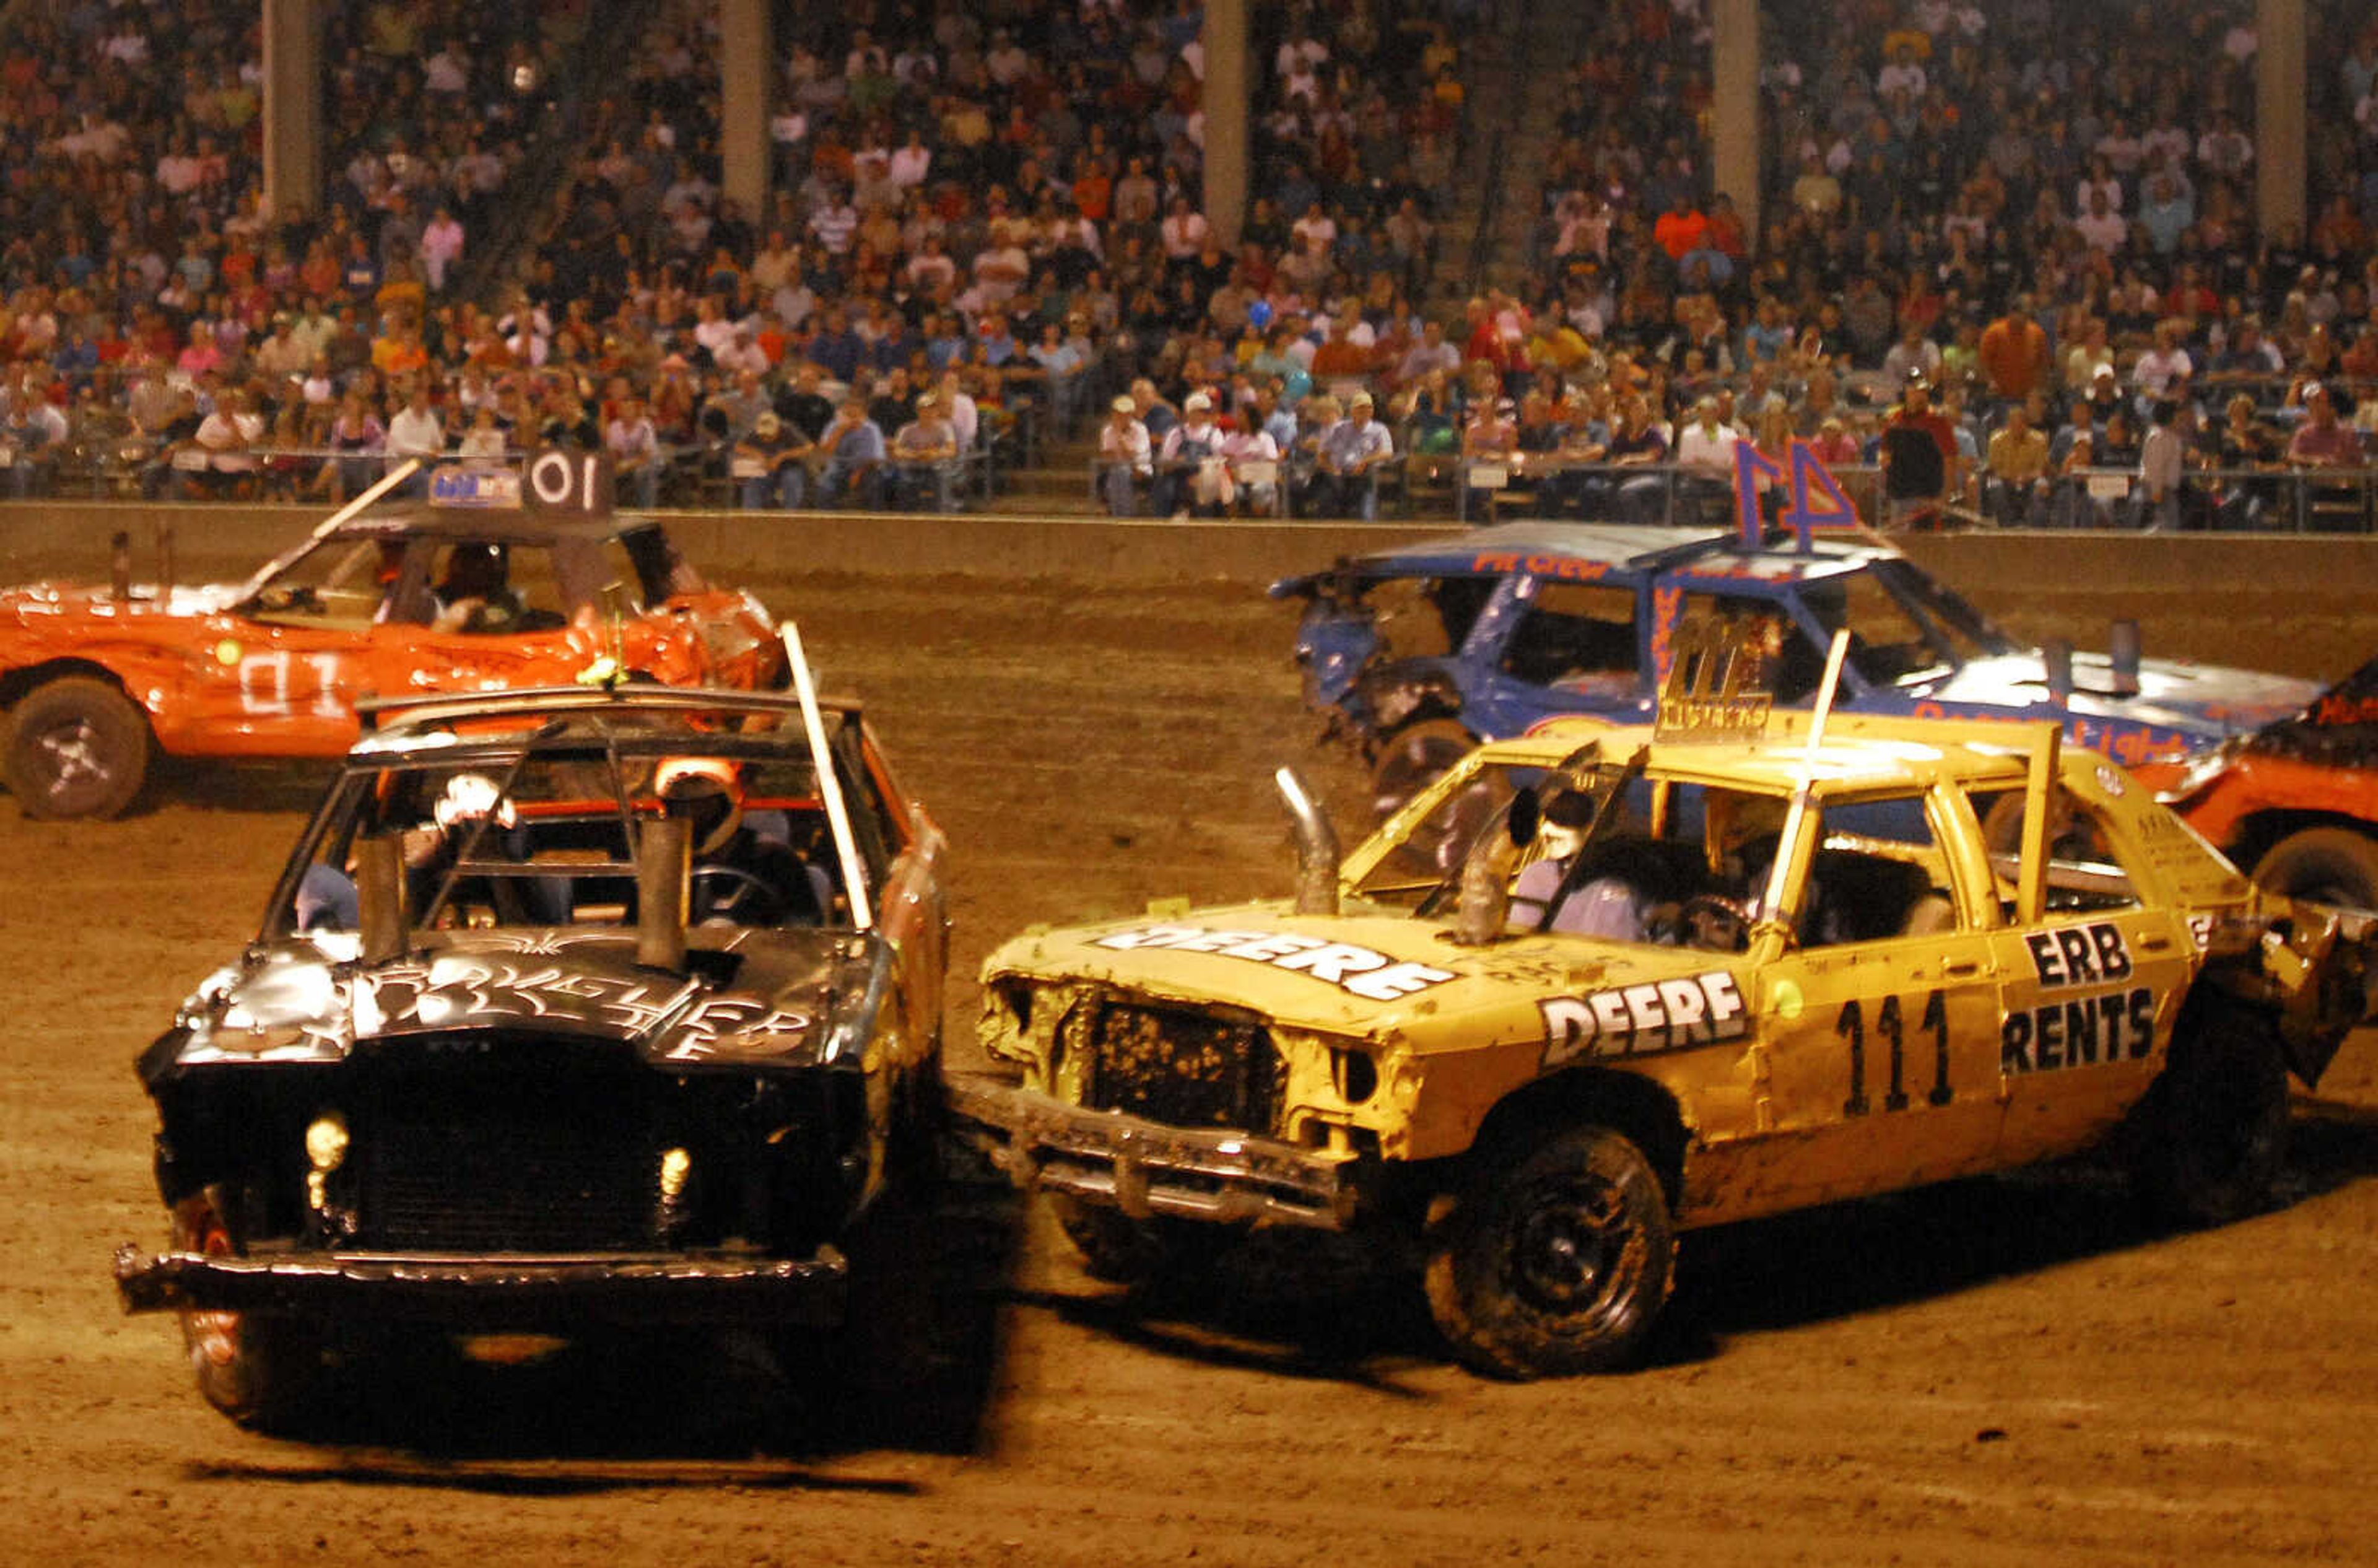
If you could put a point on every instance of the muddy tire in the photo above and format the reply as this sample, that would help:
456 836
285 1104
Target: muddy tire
1124 1250
1556 1260
2213 1131
266 1372
77 747
1409 761
2336 866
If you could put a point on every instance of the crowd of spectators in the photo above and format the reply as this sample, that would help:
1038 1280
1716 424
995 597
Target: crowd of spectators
985 223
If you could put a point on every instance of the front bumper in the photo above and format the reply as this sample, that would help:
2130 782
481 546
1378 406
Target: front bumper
490 1293
1145 1168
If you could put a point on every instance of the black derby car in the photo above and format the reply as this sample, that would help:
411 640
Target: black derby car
573 1010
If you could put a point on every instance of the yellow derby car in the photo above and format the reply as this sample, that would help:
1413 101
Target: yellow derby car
1673 982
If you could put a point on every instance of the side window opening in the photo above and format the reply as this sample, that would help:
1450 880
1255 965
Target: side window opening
2086 871
1579 635
1877 872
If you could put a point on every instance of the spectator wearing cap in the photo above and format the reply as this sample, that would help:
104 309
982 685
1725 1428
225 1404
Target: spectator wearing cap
1124 459
925 458
1353 451
767 463
1189 467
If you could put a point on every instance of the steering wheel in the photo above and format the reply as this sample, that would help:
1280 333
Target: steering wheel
746 899
289 596
1714 923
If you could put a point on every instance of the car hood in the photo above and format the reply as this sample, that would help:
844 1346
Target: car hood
783 998
1382 975
2198 703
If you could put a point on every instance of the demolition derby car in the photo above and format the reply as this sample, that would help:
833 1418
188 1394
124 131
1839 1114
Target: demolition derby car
1667 985
501 579
573 1010
2297 800
1419 652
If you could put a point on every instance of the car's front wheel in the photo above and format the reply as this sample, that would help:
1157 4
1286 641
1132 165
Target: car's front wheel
77 747
1557 1259
2212 1130
1124 1250
2334 865
264 1371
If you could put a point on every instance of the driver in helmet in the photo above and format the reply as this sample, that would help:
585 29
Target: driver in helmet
474 594
1616 900
741 876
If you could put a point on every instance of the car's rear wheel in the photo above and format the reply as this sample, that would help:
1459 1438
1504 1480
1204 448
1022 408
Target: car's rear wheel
1557 1259
2213 1131
264 1371
77 747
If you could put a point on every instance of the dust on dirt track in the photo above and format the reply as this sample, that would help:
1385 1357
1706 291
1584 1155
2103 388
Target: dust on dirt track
1993 1372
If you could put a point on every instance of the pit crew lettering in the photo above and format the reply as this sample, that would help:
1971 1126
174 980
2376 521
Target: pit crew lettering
1357 971
2080 955
1641 1020
2078 1032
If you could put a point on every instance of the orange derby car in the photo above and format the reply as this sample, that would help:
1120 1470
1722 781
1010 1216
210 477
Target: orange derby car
484 587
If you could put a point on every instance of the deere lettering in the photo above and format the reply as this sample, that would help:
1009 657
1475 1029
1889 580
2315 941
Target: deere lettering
1640 1019
1355 970
2078 1032
2080 955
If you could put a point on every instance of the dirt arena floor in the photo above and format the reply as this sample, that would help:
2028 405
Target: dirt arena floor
2008 1371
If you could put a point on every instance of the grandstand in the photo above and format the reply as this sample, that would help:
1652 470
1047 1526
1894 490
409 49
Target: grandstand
642 226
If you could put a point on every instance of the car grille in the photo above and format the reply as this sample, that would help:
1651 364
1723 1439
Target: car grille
1182 1068
473 1157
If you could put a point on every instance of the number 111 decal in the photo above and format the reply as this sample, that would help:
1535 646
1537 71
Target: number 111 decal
1888 1023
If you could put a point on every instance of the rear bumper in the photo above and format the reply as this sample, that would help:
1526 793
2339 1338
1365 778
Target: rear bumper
494 1292
1145 1168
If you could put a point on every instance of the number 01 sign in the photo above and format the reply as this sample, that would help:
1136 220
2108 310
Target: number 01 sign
1813 500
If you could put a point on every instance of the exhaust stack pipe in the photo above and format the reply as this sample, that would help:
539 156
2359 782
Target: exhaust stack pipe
2122 652
379 888
164 563
120 566
1316 845
2056 656
664 865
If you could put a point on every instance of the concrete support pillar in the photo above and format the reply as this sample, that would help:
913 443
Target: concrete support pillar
1225 102
292 106
1734 111
2279 92
746 75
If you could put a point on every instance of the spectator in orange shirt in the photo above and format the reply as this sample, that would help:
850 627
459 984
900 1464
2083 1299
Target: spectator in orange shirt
2014 353
1682 229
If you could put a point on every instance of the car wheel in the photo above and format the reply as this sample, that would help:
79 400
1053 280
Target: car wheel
1409 761
2215 1128
2334 865
1555 1261
1124 1250
77 747
264 1371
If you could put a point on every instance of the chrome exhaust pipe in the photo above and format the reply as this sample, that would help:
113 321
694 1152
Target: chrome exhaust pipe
1316 845
664 869
379 889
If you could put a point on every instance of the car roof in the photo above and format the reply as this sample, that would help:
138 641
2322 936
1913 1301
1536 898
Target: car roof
1858 752
1597 549
499 525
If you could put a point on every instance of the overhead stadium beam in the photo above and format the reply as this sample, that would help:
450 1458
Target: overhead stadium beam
2279 92
1733 81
